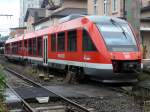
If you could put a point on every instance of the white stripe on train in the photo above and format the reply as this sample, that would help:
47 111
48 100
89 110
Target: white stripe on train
75 63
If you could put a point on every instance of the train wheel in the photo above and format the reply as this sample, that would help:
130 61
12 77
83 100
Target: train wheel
70 77
74 75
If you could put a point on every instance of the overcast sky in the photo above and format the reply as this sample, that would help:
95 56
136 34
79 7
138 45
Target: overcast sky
9 7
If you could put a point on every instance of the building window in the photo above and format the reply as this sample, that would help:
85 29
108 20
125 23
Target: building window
61 42
105 7
114 5
95 7
53 42
72 40
87 42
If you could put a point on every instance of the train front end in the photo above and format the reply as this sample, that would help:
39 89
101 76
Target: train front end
123 50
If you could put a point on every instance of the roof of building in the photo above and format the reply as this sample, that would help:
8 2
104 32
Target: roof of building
62 13
68 11
37 13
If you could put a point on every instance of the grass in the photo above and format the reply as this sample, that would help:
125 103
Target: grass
2 88
144 76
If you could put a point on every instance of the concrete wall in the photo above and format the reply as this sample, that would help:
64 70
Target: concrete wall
29 25
75 3
146 42
145 3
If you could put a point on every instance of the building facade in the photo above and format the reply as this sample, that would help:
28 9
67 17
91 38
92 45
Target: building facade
106 7
24 5
33 15
145 3
117 8
56 10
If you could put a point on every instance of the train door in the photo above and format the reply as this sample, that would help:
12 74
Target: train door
45 50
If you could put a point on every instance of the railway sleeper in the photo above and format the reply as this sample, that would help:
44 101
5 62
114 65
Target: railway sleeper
72 109
59 108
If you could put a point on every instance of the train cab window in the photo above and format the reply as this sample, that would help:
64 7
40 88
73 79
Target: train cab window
53 42
34 46
30 47
87 42
39 46
61 42
72 40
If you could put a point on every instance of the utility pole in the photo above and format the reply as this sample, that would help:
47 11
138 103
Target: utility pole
133 8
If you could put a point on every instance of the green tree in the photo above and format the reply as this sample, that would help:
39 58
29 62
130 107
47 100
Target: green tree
3 38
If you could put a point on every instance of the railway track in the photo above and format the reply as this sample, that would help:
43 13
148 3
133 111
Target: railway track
69 104
97 103
25 105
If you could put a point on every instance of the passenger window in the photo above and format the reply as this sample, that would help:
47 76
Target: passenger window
87 42
53 42
12 48
61 42
30 46
72 40
34 46
25 43
39 46
16 47
19 46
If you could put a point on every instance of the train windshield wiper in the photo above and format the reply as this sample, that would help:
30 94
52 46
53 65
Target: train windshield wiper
117 24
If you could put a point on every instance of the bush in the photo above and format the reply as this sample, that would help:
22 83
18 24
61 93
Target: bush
2 87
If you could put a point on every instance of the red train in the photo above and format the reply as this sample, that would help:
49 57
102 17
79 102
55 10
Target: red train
103 48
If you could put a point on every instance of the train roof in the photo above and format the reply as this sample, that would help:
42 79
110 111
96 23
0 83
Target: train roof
105 19
93 18
69 22
14 39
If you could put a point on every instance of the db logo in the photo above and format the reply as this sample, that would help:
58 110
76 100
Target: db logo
126 55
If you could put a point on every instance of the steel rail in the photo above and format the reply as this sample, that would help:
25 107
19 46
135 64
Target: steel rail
26 106
39 85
